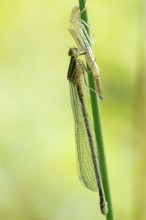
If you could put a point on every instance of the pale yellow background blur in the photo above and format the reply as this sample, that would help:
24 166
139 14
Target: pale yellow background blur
38 178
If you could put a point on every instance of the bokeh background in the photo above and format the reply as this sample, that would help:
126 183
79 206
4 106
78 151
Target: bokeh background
38 178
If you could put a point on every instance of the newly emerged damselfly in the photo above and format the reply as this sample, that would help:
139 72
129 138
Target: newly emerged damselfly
87 158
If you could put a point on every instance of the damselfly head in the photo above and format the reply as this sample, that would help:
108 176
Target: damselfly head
73 52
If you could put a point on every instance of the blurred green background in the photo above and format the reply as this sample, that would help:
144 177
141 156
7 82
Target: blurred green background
38 178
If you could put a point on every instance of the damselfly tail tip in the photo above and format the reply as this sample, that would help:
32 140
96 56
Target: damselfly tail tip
104 209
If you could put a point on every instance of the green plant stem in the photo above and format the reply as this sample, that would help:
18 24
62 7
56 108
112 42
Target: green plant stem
98 125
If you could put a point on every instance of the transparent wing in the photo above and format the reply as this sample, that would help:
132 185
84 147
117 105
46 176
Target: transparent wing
84 159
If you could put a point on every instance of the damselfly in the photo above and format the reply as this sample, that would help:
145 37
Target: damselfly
87 159
83 40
